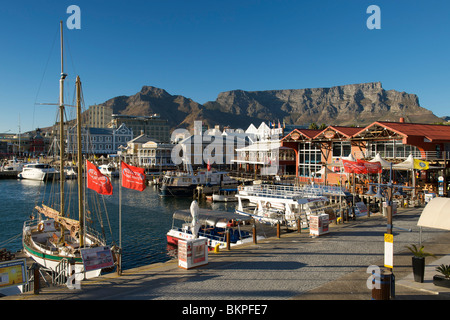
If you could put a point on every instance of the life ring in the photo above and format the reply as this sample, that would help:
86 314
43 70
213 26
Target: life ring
40 227
268 205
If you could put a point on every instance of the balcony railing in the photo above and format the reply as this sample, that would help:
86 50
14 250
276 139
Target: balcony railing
423 155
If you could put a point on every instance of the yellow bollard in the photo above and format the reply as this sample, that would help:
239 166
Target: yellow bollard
216 248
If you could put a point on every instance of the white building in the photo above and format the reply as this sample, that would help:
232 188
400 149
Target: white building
143 151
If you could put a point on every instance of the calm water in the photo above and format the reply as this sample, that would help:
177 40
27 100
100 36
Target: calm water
146 217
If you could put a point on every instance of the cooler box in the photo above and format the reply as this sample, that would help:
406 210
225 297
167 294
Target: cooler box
318 224
192 253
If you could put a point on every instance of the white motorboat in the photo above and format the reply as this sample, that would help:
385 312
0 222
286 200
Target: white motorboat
225 195
108 170
13 165
38 171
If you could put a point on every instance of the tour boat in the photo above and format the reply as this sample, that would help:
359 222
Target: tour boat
183 183
38 171
274 204
210 224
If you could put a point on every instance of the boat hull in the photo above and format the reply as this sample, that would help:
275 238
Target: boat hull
38 175
177 191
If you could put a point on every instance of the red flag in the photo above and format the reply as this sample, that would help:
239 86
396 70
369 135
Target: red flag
97 181
371 167
133 177
208 166
354 167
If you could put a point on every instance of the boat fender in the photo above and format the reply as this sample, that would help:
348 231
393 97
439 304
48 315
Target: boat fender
40 227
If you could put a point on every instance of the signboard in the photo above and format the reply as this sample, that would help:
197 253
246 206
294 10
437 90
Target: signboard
389 250
13 273
361 207
97 258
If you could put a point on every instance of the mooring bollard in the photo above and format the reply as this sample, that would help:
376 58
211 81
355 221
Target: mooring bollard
299 225
278 229
228 239
36 283
254 234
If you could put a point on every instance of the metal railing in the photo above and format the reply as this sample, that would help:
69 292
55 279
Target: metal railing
423 155
288 192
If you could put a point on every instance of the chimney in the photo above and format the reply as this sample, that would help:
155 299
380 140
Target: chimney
402 120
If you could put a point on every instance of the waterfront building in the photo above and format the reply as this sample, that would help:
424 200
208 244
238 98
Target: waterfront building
152 126
393 141
143 151
264 155
99 141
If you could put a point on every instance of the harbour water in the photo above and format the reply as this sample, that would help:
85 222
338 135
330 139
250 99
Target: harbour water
146 217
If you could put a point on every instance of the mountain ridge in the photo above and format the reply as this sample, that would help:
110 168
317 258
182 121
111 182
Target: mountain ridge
354 104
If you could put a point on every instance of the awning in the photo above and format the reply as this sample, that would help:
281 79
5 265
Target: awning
384 164
436 214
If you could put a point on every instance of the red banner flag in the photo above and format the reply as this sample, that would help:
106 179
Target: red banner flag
354 167
133 177
97 181
371 167
208 166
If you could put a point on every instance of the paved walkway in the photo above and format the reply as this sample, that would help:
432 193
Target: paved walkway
295 266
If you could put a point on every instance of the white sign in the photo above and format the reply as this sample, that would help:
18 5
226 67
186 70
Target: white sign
97 258
389 250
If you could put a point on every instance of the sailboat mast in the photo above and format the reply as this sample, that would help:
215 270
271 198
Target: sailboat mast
61 123
80 164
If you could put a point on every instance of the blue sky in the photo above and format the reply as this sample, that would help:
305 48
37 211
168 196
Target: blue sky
201 48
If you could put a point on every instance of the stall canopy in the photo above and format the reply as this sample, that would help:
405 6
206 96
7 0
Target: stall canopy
436 214
384 164
410 163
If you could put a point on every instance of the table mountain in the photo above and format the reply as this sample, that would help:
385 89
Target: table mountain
356 104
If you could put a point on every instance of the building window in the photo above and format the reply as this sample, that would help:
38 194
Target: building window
341 149
309 158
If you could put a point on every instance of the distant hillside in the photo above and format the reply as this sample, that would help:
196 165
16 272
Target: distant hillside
356 104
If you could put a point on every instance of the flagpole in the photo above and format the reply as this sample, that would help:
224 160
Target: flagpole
119 260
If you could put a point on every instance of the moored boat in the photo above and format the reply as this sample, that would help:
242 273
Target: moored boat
38 171
225 195
274 204
213 225
183 183
53 239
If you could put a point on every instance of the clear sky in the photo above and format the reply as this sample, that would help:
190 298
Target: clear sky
201 48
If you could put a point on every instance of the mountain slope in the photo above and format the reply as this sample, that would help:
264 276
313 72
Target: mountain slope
356 104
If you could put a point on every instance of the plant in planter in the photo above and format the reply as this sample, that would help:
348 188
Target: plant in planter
442 280
418 261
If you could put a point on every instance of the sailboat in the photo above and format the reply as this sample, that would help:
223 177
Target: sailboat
57 238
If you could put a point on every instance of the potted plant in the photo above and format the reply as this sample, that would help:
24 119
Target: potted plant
442 279
418 261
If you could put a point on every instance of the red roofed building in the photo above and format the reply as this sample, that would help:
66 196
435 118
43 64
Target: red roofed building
393 141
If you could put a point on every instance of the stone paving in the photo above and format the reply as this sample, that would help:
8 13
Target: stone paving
295 266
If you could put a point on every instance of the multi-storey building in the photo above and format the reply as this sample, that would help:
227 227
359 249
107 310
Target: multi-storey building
100 141
153 126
